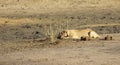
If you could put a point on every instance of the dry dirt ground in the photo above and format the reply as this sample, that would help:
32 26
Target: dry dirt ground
66 52
25 24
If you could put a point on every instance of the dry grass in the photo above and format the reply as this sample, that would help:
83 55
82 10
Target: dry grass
28 31
36 29
18 7
55 4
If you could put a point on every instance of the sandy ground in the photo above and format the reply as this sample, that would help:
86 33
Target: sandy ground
67 53
22 21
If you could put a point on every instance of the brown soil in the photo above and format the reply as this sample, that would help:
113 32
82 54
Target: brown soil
25 27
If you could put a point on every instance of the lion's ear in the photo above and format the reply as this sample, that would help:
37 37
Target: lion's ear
64 31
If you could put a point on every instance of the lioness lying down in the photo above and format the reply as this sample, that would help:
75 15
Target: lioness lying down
77 34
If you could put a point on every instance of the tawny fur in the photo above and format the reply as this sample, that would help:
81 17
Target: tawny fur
108 37
77 34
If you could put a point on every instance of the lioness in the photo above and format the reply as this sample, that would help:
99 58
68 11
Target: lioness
77 34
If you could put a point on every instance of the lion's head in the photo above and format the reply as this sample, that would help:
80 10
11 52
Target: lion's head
63 35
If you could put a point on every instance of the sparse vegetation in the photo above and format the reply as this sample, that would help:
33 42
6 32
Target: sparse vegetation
28 31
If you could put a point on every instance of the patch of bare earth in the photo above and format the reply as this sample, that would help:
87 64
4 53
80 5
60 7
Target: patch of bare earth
98 52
